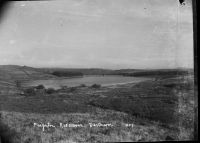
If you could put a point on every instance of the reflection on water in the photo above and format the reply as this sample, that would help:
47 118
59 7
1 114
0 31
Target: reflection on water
87 80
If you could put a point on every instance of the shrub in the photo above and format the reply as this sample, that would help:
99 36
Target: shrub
50 90
172 85
29 91
72 89
96 86
40 87
66 73
63 87
82 85
18 83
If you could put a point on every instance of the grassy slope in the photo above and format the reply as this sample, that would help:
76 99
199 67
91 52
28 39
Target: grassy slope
150 106
103 106
14 72
11 74
23 124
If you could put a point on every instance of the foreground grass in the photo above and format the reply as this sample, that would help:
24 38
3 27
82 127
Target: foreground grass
7 135
23 123
157 110
155 100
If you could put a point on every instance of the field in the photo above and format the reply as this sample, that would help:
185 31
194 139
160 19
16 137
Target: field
158 109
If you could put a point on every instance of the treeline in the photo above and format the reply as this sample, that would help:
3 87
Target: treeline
84 71
66 73
157 73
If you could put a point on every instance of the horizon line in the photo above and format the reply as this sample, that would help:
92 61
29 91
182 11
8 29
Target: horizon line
59 67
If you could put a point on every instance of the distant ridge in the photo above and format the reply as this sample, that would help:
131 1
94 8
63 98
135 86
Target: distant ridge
16 72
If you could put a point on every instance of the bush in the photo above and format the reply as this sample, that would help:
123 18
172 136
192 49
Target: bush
18 84
96 86
29 91
40 87
50 90
66 73
72 89
64 87
172 85
82 85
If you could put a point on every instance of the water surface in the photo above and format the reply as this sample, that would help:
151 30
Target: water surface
87 80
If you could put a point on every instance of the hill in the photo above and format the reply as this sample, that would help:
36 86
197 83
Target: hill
11 75
84 71
15 72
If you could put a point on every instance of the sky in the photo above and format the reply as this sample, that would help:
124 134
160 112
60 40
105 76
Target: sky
111 34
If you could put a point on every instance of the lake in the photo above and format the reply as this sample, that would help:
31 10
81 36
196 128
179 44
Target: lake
87 80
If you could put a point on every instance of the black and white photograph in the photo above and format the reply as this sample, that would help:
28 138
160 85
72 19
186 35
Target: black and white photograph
97 71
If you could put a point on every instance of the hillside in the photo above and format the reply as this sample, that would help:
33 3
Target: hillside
124 72
14 72
89 71
10 75
151 110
